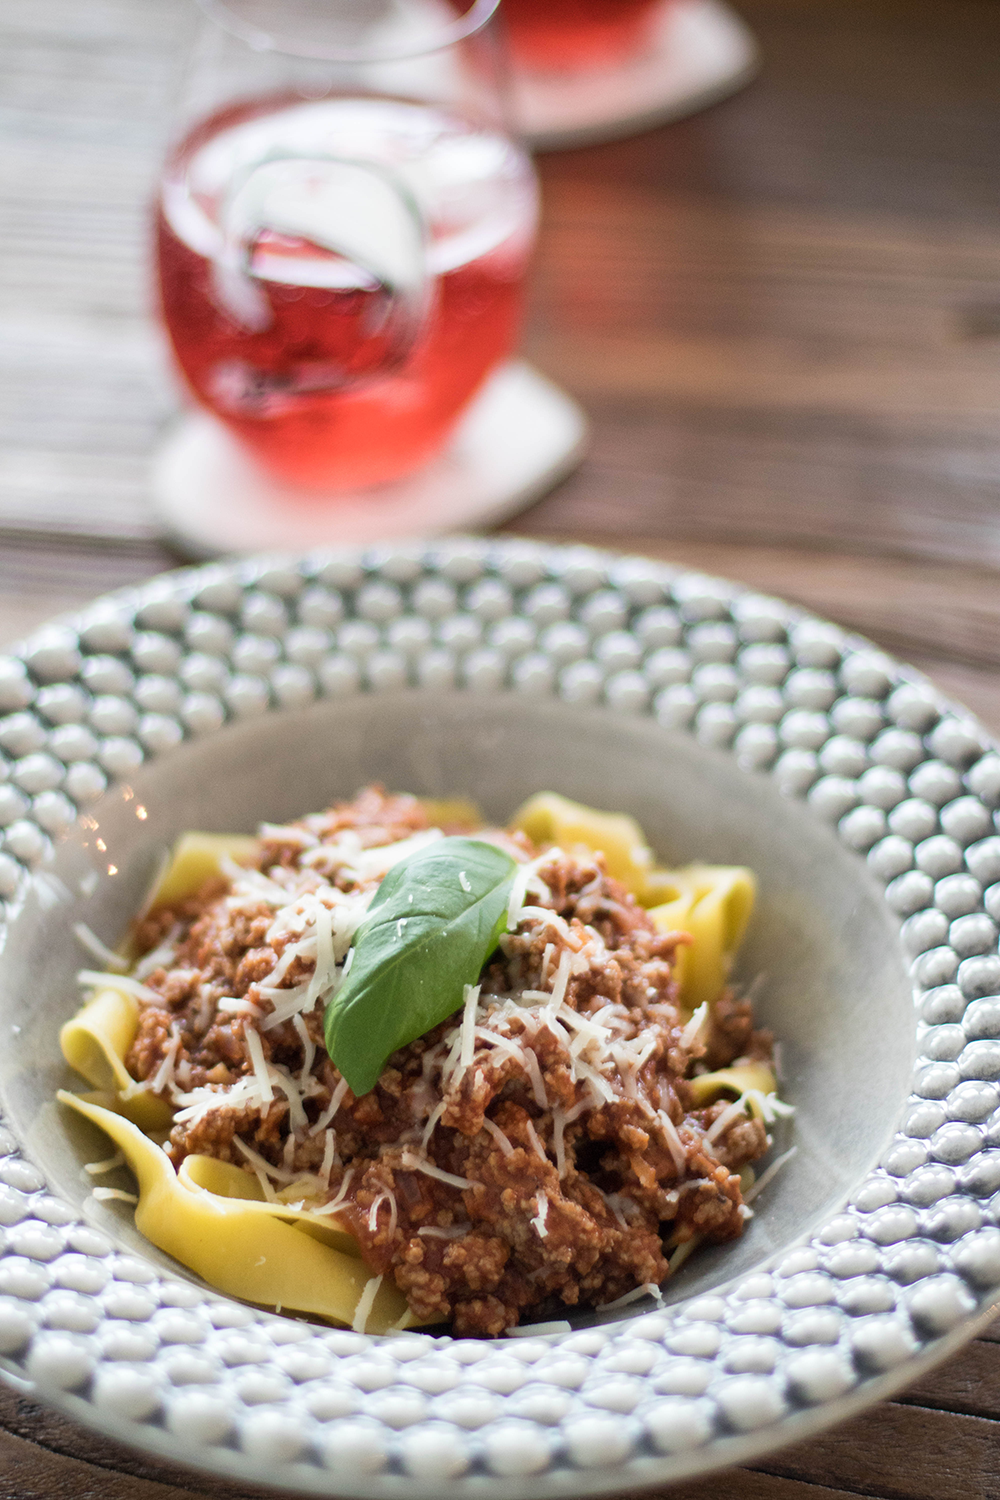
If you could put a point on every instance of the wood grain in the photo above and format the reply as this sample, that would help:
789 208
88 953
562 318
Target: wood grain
783 317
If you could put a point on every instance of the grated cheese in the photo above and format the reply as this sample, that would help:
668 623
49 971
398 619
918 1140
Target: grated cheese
562 979
88 939
691 1031
164 1075
334 1203
230 1005
674 1143
648 1289
336 1100
308 1047
202 1101
436 1232
385 1197
737 1108
559 1138
98 1168
538 1222
533 1138
94 979
527 875
772 1171
280 833
499 1136
255 1050
365 1304
329 1156
470 994
415 1163
280 1174
534 1073
103 1194
436 1114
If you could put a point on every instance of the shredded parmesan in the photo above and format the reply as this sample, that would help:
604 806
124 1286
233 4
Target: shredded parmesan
680 1255
329 1155
559 1138
98 1168
534 1073
103 1194
453 1232
416 1163
341 1197
365 1304
280 1174
470 995
436 1114
275 833
255 1050
538 1222
336 1100
648 1289
164 1075
562 979
499 1136
89 940
385 1197
231 1005
772 1171
533 1138
308 1047
691 1031
737 1108
94 979
674 1143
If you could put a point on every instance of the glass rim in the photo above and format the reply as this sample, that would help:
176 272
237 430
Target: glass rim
260 40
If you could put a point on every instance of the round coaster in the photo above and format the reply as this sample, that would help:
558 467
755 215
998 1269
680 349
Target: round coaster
699 52
518 439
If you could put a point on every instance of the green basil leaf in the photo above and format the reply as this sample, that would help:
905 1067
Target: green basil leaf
433 923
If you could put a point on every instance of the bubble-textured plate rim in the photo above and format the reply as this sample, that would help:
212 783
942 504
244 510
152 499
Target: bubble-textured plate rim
885 1288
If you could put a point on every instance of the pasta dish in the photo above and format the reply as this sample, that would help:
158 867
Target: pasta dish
389 1066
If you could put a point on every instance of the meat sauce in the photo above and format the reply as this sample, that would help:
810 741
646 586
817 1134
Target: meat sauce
561 1165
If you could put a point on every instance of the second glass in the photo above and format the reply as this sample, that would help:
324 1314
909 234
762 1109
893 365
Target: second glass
343 230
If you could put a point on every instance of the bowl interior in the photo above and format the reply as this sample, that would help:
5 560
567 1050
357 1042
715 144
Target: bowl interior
823 947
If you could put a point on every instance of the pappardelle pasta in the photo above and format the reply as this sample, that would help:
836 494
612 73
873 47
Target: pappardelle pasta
324 1112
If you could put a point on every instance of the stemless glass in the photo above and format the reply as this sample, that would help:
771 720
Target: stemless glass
343 229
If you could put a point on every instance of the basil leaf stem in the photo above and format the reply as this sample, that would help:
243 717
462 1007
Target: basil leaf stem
432 924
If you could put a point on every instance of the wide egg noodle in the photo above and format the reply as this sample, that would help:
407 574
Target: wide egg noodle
95 1042
712 903
212 1216
757 1077
243 1247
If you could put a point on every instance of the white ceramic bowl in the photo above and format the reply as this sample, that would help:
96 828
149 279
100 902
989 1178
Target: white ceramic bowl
736 728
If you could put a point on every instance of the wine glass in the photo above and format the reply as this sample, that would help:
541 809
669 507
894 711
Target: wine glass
343 230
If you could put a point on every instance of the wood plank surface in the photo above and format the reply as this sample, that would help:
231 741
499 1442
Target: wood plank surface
783 317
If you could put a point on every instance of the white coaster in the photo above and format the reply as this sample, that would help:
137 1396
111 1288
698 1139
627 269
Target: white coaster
699 52
518 439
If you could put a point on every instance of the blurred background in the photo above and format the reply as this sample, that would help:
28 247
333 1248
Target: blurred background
782 316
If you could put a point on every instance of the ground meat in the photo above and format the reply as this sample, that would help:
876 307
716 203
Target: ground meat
562 1164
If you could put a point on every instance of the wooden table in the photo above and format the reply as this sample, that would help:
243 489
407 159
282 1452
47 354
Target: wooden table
784 319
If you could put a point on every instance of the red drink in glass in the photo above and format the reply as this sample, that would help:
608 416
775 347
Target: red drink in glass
306 355
566 36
